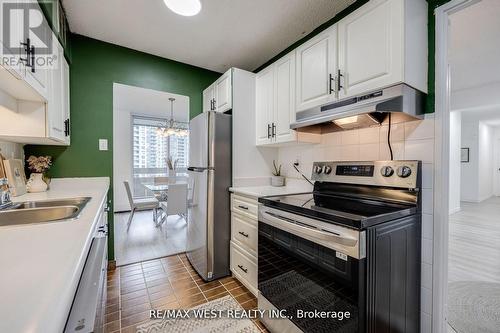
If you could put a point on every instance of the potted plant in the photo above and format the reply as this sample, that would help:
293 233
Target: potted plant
277 179
38 166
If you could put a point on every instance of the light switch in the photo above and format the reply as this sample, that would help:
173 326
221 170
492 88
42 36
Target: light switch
103 144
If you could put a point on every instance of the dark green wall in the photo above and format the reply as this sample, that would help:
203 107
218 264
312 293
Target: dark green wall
95 67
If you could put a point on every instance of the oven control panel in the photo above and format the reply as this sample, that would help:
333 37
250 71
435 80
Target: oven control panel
403 174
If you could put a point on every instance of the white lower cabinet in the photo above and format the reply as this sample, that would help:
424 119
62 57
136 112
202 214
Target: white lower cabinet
244 233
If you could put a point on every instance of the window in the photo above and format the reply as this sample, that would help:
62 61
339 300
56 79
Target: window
151 151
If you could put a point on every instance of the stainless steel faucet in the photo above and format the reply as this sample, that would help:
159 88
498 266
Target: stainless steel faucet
5 201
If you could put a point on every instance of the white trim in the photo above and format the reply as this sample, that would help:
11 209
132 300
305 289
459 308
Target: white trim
441 164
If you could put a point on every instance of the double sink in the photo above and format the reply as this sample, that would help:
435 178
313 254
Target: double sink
30 212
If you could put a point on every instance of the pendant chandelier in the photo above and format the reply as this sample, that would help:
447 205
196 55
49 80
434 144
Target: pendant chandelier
172 127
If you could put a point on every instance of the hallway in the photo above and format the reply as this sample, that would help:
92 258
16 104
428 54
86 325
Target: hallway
474 242
474 268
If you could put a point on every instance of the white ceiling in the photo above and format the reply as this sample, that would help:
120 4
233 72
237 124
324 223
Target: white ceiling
144 101
226 33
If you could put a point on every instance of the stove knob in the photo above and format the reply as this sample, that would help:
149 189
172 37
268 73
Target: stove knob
327 169
387 171
404 171
317 169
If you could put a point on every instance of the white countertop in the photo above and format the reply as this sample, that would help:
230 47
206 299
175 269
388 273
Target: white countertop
41 263
267 191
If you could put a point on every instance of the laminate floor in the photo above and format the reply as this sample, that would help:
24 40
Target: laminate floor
160 284
143 241
474 252
474 242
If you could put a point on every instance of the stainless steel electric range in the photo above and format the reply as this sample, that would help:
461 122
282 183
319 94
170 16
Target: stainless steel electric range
346 257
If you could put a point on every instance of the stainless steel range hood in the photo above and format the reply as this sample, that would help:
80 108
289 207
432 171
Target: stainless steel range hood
402 101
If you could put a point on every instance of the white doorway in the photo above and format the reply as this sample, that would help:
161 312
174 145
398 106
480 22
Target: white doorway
141 157
466 229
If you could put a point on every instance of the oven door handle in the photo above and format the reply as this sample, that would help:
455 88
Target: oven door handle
300 228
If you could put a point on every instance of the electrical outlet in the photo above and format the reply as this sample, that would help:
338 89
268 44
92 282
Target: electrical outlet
103 144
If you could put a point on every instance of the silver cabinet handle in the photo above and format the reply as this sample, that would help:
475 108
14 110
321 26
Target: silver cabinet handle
243 268
243 234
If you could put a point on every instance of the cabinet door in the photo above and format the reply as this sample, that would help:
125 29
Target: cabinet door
66 100
11 37
223 93
371 47
284 99
55 107
38 74
264 105
208 99
316 69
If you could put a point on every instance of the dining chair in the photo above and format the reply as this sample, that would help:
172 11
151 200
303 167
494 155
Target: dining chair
140 204
177 201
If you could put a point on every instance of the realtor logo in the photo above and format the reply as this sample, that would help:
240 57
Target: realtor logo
22 21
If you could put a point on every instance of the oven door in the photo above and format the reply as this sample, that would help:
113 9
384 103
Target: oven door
313 270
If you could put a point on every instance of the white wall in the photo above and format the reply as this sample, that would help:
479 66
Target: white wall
455 162
486 161
469 172
413 141
127 101
496 167
477 176
251 165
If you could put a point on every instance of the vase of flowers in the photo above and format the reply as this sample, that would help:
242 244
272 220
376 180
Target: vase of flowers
38 166
277 179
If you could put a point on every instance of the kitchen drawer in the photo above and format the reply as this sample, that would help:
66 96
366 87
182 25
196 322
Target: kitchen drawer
245 206
244 232
244 267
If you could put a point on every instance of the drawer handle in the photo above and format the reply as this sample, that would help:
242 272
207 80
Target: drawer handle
243 207
243 234
243 268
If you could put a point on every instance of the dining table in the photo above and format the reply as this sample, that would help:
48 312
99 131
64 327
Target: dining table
160 191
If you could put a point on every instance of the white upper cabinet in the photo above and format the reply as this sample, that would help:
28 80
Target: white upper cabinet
219 95
208 99
11 39
224 92
275 105
382 43
316 69
264 105
58 105
284 99
41 51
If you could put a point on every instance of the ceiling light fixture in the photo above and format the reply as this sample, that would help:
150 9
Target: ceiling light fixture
184 7
173 127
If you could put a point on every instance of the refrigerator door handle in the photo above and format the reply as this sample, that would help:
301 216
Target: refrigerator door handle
198 169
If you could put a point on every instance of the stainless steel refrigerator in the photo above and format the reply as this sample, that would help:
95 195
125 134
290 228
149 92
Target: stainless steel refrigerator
209 219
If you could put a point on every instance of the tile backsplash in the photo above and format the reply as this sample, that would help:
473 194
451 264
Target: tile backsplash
411 141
